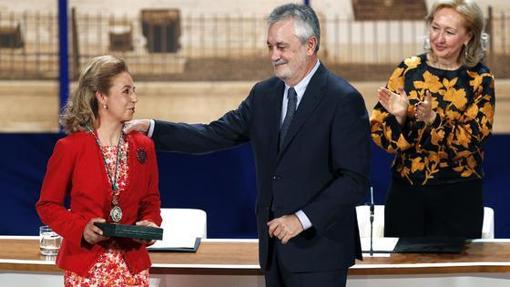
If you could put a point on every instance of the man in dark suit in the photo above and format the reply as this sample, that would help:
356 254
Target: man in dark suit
309 132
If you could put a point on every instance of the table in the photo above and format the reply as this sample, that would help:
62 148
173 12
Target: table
240 257
230 256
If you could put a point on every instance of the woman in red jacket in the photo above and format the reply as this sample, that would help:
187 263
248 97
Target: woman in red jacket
108 176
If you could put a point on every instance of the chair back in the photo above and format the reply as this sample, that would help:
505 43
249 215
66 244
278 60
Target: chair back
488 223
363 215
184 222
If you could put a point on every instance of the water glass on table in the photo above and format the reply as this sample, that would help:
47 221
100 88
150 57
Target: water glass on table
49 241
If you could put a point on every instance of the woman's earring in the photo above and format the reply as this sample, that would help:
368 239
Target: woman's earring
426 43
484 41
105 106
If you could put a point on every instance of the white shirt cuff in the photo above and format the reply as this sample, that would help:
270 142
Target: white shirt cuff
305 222
152 123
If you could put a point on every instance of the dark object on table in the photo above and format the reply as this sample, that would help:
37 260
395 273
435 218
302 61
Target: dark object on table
430 245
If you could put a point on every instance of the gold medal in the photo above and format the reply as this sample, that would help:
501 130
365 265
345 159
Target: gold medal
116 214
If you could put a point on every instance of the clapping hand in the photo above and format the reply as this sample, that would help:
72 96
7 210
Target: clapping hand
395 103
423 110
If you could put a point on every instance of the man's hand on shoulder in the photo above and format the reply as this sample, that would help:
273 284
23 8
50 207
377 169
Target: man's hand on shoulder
285 228
137 125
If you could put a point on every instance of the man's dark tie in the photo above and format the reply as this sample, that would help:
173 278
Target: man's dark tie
291 109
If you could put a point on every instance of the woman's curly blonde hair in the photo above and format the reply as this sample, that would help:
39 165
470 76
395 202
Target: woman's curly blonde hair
81 110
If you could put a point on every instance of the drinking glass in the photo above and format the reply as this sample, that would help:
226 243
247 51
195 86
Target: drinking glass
49 241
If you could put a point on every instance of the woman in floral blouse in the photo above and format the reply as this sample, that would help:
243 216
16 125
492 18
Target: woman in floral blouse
107 176
435 115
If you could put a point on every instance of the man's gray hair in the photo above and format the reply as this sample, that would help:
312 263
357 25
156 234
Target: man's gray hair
306 23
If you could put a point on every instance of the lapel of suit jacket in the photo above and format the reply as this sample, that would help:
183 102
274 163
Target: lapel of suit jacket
311 98
275 114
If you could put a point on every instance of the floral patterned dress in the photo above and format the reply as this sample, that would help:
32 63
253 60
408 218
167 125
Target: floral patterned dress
110 268
451 148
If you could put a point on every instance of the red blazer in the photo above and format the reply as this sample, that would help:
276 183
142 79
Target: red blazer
76 169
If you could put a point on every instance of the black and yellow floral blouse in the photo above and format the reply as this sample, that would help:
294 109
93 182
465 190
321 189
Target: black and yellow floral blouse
451 148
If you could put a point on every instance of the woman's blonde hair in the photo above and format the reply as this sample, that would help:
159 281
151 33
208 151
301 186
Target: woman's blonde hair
474 52
81 110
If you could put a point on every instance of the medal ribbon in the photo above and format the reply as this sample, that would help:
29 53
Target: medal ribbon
116 211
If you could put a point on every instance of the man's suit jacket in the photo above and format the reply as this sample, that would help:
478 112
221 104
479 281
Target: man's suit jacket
321 169
76 169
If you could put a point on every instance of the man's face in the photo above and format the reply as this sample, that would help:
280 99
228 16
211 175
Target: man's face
290 58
